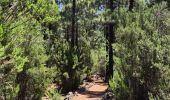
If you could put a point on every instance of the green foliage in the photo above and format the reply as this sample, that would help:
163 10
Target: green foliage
118 86
45 11
74 63
54 95
36 49
1 34
1 31
99 61
40 79
23 50
142 49
19 61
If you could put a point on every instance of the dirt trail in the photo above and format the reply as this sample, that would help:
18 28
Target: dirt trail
93 93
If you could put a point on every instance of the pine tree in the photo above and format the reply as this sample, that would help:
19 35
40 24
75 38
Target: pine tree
110 38
141 55
22 39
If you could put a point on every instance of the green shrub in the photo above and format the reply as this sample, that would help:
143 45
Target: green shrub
53 94
39 80
119 87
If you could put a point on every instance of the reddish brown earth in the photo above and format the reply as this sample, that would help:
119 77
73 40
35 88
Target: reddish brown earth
93 93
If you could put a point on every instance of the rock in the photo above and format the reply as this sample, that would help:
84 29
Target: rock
109 90
69 96
75 94
90 85
108 96
81 89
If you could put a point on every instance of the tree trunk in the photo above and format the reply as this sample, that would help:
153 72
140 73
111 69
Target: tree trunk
76 41
142 93
73 23
131 5
22 80
110 38
71 70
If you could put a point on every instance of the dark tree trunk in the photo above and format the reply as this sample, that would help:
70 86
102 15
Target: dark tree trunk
71 72
131 5
76 35
110 38
72 45
73 23
142 93
22 80
67 34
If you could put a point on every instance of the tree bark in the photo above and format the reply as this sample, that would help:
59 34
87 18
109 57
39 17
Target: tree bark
110 38
22 80
131 5
76 41
73 23
71 71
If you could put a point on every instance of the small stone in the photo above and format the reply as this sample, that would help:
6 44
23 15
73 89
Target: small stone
75 94
108 96
70 93
82 89
69 96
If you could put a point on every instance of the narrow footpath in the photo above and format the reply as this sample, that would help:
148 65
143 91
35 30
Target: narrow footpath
95 92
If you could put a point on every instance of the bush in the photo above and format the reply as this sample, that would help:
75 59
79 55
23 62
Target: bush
39 80
118 85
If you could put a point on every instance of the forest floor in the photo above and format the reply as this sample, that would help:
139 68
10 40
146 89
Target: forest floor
95 92
91 90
